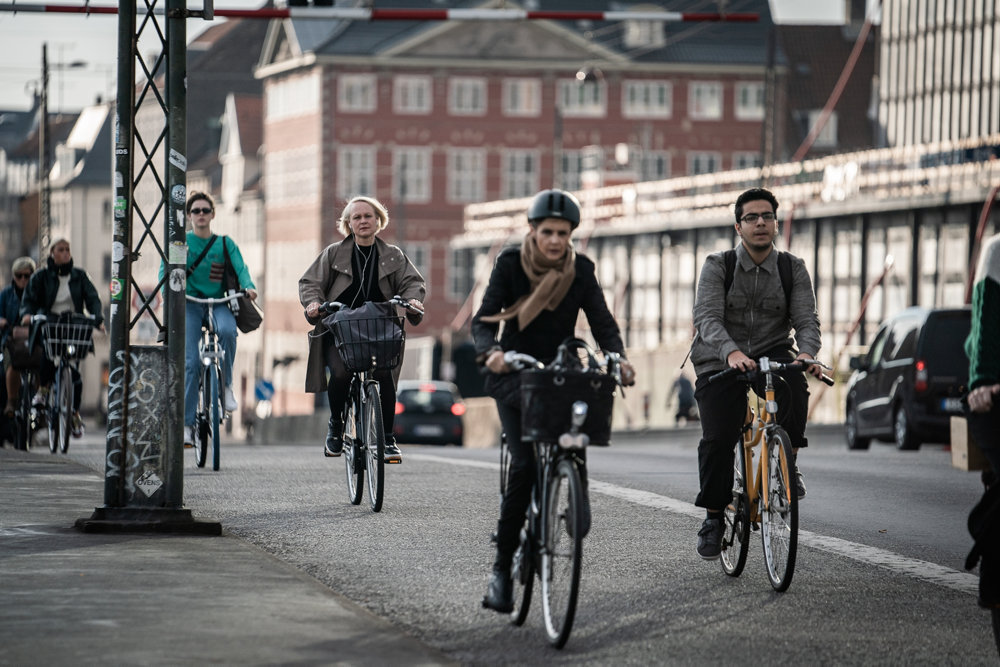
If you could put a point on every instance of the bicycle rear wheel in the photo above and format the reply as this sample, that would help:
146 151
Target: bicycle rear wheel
779 511
374 446
216 421
202 426
522 572
736 531
354 462
562 529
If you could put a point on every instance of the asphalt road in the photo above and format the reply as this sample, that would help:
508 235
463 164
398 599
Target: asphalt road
879 577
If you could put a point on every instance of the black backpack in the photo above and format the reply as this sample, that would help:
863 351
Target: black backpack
784 274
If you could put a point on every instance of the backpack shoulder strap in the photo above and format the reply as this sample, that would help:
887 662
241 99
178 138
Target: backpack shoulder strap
785 275
730 258
197 261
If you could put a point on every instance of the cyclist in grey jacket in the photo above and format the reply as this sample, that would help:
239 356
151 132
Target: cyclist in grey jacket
755 318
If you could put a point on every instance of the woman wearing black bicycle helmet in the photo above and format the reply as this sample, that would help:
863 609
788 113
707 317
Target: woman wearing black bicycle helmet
537 290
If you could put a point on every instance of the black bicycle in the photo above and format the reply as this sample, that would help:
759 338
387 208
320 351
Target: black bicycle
368 339
24 356
551 545
68 339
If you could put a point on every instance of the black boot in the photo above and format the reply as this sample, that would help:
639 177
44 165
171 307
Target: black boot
392 453
334 438
500 591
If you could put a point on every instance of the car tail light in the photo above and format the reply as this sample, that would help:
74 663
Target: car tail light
399 408
920 381
428 386
458 409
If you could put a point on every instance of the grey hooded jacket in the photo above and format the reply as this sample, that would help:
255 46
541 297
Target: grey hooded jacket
753 317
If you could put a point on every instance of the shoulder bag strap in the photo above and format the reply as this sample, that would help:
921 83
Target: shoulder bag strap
200 257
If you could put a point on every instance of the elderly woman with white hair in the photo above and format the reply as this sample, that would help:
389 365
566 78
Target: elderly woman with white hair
358 269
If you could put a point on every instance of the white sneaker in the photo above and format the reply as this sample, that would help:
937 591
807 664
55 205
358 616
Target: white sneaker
231 404
189 437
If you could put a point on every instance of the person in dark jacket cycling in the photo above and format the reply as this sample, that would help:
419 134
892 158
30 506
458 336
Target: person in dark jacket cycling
61 288
537 291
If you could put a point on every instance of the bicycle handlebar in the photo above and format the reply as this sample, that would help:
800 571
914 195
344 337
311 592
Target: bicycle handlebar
766 365
333 306
520 361
213 301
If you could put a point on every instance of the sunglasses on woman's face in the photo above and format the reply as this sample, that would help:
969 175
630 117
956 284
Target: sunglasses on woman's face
196 211
22 275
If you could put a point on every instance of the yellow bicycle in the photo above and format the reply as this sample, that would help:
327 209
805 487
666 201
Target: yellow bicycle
766 499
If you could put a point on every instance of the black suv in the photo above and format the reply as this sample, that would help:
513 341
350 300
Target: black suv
910 383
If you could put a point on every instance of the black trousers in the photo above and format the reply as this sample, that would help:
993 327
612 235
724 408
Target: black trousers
340 382
723 406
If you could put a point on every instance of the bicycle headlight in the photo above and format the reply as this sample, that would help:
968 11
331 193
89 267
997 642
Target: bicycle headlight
71 350
206 361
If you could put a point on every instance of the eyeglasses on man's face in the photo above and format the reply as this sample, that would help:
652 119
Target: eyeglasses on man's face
197 211
23 276
752 218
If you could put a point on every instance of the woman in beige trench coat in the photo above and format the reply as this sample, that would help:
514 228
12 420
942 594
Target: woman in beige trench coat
360 268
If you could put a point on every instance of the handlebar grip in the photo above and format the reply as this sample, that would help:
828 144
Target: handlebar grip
723 374
827 379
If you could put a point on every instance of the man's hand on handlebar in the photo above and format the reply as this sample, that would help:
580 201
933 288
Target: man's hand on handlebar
740 361
252 293
628 373
813 369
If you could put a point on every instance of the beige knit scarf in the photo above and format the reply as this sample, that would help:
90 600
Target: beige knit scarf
550 281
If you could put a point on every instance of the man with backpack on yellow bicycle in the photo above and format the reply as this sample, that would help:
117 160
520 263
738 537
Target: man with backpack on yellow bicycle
749 301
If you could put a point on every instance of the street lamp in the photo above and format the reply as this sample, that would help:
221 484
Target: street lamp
45 152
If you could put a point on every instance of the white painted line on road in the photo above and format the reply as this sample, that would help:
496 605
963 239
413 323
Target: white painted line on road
933 573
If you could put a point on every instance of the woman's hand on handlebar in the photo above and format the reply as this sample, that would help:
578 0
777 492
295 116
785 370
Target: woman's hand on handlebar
252 293
495 362
628 373
312 310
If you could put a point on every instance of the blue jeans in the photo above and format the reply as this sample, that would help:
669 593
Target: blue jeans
225 329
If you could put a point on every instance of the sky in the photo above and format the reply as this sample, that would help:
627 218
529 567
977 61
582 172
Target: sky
89 44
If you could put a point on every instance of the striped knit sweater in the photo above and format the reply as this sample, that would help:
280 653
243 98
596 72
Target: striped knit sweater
983 344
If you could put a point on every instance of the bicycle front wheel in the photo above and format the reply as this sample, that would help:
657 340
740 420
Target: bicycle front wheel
354 462
216 414
374 446
65 407
562 530
736 531
779 510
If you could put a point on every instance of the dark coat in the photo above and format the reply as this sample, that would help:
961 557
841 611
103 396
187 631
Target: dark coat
40 293
331 273
542 336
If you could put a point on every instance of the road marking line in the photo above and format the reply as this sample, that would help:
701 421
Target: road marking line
964 582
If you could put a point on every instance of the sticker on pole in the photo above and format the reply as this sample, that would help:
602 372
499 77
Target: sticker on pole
148 483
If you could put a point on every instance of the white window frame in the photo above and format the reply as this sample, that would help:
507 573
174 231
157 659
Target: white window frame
355 170
660 157
827 138
292 96
357 93
705 100
412 94
466 175
747 160
467 96
521 97
417 177
644 34
703 162
520 173
647 99
419 254
582 100
750 100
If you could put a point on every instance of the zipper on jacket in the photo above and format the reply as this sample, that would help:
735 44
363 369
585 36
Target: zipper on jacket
753 300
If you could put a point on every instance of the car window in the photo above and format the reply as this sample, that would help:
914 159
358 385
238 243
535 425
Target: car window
903 342
875 353
416 398
943 343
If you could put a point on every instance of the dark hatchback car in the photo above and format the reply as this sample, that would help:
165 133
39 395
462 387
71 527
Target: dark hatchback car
910 383
428 413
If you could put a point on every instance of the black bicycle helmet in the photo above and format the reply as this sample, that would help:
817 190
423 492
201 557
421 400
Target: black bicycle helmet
555 204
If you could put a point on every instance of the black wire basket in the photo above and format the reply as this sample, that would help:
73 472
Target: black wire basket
368 343
71 338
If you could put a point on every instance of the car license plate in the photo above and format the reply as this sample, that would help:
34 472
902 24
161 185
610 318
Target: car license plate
428 430
951 405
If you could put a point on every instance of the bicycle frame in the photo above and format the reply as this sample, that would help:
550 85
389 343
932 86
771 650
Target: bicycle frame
755 427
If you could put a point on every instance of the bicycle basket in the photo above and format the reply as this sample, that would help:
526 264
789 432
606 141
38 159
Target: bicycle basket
547 397
20 355
368 338
70 337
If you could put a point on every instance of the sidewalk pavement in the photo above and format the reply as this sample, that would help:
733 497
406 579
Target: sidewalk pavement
68 597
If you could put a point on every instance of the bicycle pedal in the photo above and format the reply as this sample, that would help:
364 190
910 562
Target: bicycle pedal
397 459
